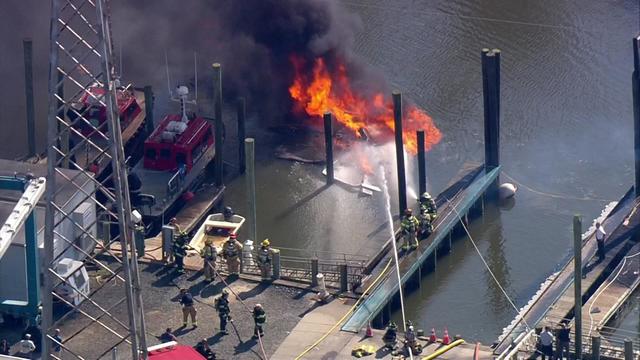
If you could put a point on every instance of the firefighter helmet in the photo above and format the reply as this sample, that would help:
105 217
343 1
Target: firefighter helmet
266 242
425 196
208 242
408 211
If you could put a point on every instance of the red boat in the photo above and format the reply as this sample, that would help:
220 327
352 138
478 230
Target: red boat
175 143
95 112
175 156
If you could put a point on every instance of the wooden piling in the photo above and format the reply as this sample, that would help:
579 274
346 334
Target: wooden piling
219 127
27 45
251 187
344 283
241 134
635 82
314 271
577 282
491 96
328 144
397 121
148 109
628 349
422 166
595 347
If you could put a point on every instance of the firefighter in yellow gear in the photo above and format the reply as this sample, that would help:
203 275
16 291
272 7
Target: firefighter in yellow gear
264 259
231 251
409 228
427 216
209 256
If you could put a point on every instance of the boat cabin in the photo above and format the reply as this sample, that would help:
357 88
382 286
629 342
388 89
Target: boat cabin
177 144
96 113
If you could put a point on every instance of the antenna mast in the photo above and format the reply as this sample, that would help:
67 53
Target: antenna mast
81 55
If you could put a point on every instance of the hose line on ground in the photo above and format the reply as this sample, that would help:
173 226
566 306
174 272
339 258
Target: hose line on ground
347 313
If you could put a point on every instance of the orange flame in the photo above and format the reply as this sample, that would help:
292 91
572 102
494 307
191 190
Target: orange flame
324 92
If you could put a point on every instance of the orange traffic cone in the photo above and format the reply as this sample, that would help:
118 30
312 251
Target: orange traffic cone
433 338
446 340
369 331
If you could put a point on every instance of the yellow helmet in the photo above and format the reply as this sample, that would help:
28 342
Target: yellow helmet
265 242
208 242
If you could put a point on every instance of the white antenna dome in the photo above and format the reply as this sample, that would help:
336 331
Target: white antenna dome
182 90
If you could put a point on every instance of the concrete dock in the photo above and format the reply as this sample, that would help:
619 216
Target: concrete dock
322 322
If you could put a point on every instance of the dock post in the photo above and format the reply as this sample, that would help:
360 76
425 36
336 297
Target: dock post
219 128
422 166
628 349
344 283
402 180
27 45
251 187
635 82
328 144
276 264
314 271
64 134
148 109
595 347
241 134
491 95
577 282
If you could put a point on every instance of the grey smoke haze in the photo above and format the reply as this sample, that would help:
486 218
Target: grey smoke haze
253 39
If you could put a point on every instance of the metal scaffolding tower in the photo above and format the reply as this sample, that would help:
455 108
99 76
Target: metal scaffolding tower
110 317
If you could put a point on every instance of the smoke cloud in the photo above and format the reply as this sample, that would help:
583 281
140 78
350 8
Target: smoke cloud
253 39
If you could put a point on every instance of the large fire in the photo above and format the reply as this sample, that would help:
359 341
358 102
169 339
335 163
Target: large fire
323 91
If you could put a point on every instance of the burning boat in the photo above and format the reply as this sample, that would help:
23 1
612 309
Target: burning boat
174 160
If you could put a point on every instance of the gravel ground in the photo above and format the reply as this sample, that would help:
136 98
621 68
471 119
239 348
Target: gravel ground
284 307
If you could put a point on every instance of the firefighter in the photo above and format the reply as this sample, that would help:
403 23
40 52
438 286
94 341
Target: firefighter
224 312
209 255
227 212
176 231
259 318
231 251
429 205
180 251
264 259
390 337
188 308
203 349
409 226
411 342
428 213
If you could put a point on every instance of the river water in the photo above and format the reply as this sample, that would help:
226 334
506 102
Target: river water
566 137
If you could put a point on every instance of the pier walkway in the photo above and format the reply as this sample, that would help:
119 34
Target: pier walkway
556 301
457 200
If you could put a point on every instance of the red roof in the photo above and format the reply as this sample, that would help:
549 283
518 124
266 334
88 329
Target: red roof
178 352
194 126
123 97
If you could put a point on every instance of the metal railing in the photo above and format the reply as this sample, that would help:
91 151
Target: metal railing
337 274
175 183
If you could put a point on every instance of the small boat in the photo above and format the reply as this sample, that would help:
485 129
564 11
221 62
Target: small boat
217 229
175 158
